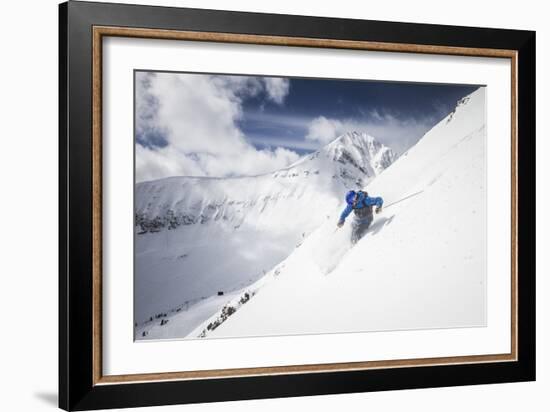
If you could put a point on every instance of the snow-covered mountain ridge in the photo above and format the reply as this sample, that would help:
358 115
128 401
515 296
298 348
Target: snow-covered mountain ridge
421 264
348 162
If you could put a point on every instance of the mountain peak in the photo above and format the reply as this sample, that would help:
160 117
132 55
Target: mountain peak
361 151
360 135
357 139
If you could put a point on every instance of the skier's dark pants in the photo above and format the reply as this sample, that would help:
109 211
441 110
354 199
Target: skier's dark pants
359 227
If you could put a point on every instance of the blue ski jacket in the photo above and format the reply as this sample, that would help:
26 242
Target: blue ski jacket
363 201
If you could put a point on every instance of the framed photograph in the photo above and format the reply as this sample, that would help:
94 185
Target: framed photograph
256 205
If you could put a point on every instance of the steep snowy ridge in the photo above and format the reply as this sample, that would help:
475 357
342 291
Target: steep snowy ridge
200 240
421 265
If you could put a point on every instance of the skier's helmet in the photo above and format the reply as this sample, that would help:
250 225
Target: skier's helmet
350 197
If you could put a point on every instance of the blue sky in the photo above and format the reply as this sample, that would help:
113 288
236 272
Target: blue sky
406 110
201 124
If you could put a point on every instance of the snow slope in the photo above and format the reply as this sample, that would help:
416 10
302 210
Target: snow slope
197 236
421 265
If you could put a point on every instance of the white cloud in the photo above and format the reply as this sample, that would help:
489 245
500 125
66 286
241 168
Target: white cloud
198 115
277 88
169 161
156 163
397 133
324 130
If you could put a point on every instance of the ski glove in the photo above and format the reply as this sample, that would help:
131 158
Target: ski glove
378 209
340 223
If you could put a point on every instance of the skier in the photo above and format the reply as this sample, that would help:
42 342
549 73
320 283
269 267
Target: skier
361 204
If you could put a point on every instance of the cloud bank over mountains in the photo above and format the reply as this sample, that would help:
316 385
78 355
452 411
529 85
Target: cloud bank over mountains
190 124
187 125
